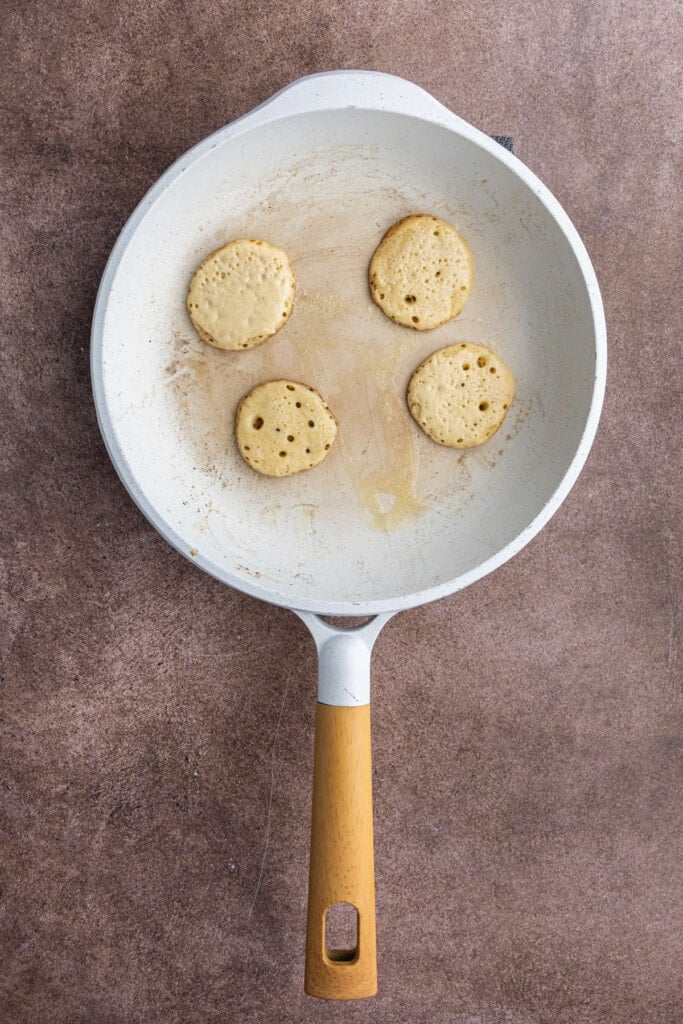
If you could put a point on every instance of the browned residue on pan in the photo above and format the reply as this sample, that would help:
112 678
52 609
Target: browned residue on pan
338 341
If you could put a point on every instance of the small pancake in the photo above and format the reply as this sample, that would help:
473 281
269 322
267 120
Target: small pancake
421 272
241 294
460 395
284 427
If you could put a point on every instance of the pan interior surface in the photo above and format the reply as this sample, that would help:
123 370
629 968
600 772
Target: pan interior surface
390 518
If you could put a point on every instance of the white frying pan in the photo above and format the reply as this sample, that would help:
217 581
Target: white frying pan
390 520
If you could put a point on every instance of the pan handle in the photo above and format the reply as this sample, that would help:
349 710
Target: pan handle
342 858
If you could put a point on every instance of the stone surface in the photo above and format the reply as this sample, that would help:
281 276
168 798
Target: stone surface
157 727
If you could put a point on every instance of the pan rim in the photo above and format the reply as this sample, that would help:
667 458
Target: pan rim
361 606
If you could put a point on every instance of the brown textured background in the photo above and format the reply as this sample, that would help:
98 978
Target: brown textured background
157 727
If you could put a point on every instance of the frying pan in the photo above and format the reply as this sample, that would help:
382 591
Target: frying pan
390 520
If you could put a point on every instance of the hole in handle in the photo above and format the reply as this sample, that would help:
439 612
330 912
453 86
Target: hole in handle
341 932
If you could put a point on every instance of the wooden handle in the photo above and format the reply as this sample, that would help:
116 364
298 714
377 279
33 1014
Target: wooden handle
342 863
